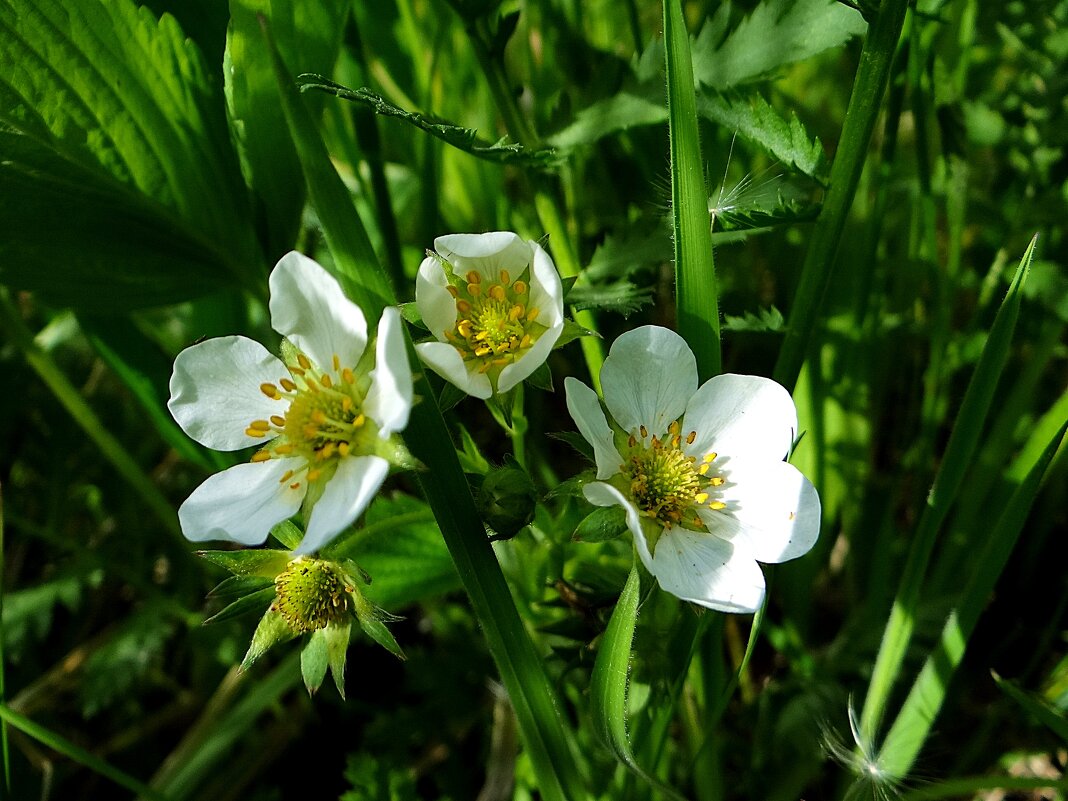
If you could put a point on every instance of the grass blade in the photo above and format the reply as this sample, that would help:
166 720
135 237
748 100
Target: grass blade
696 295
956 460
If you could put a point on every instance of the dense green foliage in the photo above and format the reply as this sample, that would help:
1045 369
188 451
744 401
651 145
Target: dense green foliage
873 181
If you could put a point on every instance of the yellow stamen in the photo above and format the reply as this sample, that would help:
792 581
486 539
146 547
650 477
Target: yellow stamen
701 497
260 425
474 277
337 362
295 485
453 290
710 457
285 477
702 469
303 361
261 456
359 421
463 328
296 370
505 278
515 313
717 505
496 292
288 385
463 307
278 420
348 376
520 287
691 437
674 427
255 432
270 390
533 313
483 350
343 448
474 290
718 481
284 449
526 342
326 381
643 431
313 475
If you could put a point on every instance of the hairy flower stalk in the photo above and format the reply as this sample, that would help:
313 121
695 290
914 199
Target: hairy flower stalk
699 471
325 416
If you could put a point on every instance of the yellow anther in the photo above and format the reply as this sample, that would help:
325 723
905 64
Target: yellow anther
311 386
504 347
261 456
284 449
310 431
533 313
643 431
453 290
481 336
474 277
710 457
255 432
701 497
676 441
288 474
500 362
463 328
718 481
702 469
318 416
483 350
463 353
526 342
496 292
288 385
691 437
270 390
674 427
260 425
313 475
343 448
519 287
505 277
485 366
327 450
463 307
346 404
348 376
303 361
295 485
474 290
631 442
326 381
515 313
717 505
278 420
656 442
359 421
295 370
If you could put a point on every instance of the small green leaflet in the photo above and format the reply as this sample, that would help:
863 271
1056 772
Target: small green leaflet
465 139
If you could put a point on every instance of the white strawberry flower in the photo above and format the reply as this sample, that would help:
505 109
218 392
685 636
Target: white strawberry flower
495 305
325 414
698 470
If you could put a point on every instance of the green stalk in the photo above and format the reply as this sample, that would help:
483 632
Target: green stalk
444 485
76 753
4 745
913 724
696 295
956 460
67 394
818 269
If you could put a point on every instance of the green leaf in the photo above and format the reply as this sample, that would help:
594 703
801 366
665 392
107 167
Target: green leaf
260 562
272 629
608 682
776 33
620 297
465 139
636 247
252 602
239 585
602 524
628 109
755 120
1035 706
770 320
571 332
314 659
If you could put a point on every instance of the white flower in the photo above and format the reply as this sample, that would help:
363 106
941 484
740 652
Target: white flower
494 303
699 470
325 413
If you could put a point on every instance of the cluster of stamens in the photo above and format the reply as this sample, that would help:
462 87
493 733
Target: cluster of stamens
493 321
322 421
311 594
667 484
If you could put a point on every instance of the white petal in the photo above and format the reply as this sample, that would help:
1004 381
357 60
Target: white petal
215 391
436 306
487 254
771 507
309 308
242 503
586 411
444 360
707 570
347 494
600 494
546 289
741 415
389 400
647 378
526 364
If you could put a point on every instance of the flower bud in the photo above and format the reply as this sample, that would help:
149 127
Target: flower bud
506 500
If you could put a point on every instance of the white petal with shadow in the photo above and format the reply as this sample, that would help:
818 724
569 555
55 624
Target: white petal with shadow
589 418
707 570
444 360
347 494
741 415
389 399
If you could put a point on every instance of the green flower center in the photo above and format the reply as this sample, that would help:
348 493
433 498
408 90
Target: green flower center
312 594
666 484
495 323
323 422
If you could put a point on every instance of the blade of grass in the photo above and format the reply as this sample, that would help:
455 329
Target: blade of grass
818 269
444 485
955 462
76 753
696 295
4 744
913 724
970 786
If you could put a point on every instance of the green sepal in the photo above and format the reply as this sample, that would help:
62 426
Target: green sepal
373 622
271 630
602 524
252 602
394 451
568 284
541 378
337 649
471 458
450 396
288 534
410 314
264 562
573 331
240 585
500 406
313 661
507 500
576 441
